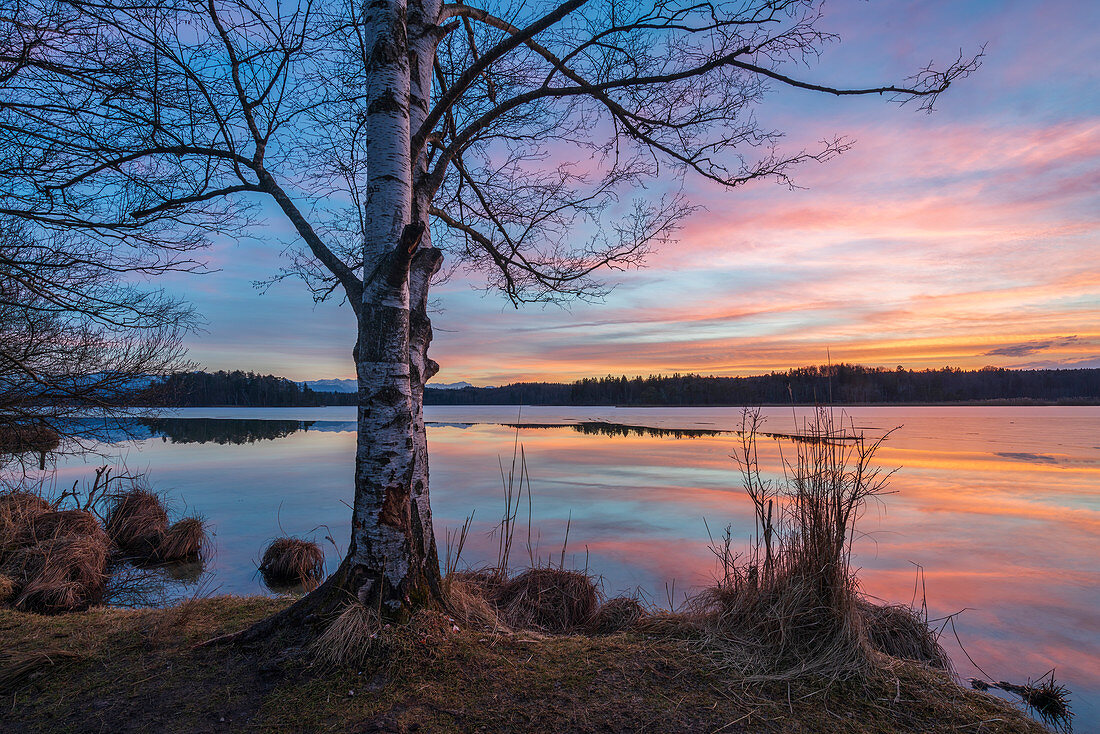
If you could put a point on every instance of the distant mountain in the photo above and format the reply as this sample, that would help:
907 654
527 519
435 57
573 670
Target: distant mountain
332 385
348 386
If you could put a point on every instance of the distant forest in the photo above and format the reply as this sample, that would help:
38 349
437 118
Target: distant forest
839 384
237 388
834 384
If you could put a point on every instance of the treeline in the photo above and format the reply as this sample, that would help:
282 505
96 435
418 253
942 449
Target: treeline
237 388
836 384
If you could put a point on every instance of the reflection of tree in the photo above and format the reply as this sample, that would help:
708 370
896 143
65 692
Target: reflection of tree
622 430
222 430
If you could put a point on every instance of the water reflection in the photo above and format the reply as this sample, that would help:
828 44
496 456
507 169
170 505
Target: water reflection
1001 507
621 430
223 431
137 586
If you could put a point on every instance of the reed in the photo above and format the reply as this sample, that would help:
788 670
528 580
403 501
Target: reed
790 608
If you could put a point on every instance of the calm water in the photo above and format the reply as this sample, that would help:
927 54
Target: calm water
999 505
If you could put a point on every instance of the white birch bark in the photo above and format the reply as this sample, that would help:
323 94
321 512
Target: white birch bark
386 558
422 48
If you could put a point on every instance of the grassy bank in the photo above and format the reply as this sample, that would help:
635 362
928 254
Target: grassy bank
124 670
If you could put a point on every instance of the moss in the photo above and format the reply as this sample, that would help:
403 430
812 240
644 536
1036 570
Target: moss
136 670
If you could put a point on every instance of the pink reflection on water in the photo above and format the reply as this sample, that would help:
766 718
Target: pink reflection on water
1000 511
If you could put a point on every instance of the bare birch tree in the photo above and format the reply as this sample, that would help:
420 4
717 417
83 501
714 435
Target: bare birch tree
75 341
514 137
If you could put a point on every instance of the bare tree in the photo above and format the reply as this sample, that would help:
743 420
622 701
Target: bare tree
508 135
75 342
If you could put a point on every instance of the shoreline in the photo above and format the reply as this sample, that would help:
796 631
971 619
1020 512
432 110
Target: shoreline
136 670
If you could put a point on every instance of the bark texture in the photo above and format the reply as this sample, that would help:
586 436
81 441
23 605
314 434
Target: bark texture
392 563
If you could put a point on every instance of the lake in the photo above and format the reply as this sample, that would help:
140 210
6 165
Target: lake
1000 506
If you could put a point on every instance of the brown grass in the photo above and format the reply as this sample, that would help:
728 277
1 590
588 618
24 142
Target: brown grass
548 599
616 615
486 582
467 603
7 588
291 562
350 639
185 540
670 625
16 509
900 631
463 682
63 523
136 522
63 574
18 667
790 609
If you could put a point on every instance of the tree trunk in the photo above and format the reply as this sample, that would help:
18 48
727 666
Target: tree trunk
392 564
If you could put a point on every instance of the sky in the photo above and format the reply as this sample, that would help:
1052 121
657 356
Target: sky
968 237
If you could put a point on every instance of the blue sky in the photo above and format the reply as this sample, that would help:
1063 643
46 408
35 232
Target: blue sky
967 237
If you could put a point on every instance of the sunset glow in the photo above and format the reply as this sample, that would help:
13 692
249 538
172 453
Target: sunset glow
967 237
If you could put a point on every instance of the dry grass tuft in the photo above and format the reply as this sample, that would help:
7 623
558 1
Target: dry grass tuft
900 631
17 668
185 540
797 626
548 599
1050 700
350 640
16 510
292 562
670 625
63 523
7 588
63 574
486 582
616 615
790 609
136 522
466 602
